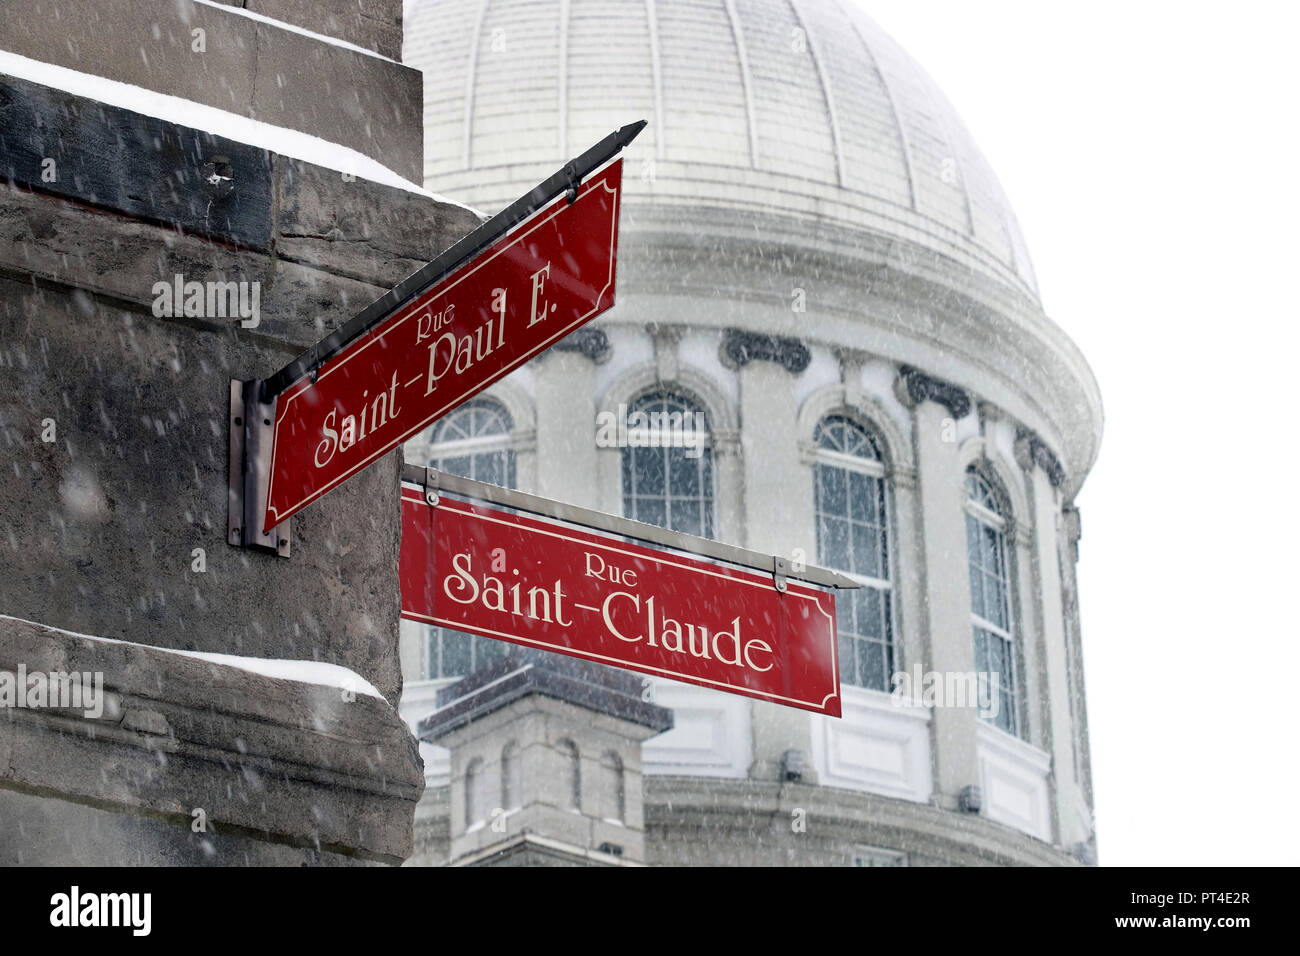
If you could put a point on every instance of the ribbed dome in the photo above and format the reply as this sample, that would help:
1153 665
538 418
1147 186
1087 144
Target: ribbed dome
803 108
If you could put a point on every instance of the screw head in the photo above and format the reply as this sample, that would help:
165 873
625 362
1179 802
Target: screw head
218 177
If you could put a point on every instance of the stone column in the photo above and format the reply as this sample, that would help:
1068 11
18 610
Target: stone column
910 633
945 586
566 418
777 503
1072 523
1044 474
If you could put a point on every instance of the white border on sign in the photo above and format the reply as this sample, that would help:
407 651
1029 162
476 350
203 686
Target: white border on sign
738 575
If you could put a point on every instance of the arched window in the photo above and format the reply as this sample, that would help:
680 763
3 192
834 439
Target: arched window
475 807
990 603
511 777
853 537
573 770
668 464
612 794
473 442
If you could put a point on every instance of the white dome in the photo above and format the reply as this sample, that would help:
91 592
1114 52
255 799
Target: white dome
803 108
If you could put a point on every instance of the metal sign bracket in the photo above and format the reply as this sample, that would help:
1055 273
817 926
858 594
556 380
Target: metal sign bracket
431 487
250 471
574 181
780 568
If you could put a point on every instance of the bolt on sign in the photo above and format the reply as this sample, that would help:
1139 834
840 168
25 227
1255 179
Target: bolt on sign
577 589
531 289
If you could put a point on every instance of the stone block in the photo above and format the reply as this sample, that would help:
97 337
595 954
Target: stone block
285 761
245 66
374 233
369 24
104 521
101 155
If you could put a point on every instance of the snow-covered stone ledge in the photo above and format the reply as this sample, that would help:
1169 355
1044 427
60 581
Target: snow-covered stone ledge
200 758
156 186
250 65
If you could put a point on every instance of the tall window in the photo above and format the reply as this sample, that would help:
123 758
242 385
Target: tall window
473 442
990 601
475 805
573 769
613 796
853 537
668 464
512 786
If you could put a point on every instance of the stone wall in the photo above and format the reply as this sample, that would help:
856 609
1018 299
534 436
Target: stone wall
114 437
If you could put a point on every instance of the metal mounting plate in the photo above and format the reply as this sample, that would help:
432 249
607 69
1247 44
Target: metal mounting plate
250 469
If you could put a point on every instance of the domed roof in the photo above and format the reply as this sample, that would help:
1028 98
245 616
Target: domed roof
803 108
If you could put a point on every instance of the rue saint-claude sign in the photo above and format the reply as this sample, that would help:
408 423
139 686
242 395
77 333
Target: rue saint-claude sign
572 588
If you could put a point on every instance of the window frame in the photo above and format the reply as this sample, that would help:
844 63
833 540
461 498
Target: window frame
476 445
877 469
666 392
475 816
436 452
879 857
1002 525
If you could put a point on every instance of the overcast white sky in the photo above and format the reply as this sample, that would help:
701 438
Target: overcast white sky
1151 153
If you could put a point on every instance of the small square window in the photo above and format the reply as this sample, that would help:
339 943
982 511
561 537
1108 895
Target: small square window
875 856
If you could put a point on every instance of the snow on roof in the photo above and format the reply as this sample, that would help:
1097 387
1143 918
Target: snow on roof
304 672
183 112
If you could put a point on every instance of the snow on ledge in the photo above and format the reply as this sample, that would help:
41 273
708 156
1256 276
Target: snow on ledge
323 38
182 112
302 672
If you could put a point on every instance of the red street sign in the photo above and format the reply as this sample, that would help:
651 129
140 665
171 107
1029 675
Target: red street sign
551 275
565 588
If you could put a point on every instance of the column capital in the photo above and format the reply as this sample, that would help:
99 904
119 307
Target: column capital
851 362
589 341
1073 524
740 348
914 387
1032 450
848 355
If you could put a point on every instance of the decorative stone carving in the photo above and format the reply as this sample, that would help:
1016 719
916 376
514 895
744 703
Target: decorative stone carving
740 348
1031 450
591 342
914 386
